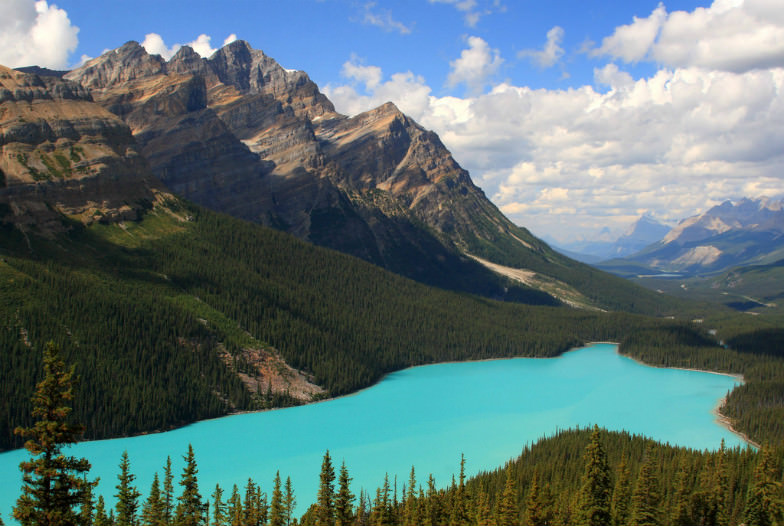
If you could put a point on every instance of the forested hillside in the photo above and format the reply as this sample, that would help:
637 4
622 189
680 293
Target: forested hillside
163 317
159 315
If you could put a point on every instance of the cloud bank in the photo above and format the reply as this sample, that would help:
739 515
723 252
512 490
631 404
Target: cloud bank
706 127
36 34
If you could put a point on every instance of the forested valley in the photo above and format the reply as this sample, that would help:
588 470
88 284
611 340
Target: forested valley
577 477
164 307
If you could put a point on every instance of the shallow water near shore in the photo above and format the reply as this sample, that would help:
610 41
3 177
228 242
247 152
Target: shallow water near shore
424 416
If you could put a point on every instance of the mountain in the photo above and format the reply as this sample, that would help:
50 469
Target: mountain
747 232
645 231
240 134
64 154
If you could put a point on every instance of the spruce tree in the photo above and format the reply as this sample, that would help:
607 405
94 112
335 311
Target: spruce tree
484 515
289 501
191 511
168 493
765 501
127 495
277 513
681 513
646 498
459 515
382 514
218 507
362 509
87 506
250 516
622 495
596 488
152 510
325 504
410 515
539 506
53 484
344 500
234 507
507 512
720 485
100 518
433 514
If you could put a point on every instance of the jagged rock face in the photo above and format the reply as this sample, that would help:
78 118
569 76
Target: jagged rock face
64 154
240 134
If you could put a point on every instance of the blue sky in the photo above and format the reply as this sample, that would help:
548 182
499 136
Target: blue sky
572 116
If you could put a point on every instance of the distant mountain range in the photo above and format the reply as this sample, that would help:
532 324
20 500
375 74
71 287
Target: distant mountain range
645 231
733 234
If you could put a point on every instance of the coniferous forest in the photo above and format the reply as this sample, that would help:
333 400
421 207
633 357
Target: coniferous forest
580 477
155 316
164 307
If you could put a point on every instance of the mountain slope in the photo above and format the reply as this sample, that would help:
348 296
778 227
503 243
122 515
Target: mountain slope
240 134
748 232
59 151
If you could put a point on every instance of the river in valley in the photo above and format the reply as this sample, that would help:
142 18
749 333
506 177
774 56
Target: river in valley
424 416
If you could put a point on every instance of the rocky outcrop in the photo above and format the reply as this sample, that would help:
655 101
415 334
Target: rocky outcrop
64 155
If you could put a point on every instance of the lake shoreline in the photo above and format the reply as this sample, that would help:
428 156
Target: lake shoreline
721 419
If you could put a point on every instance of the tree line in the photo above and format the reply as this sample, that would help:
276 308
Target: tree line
578 477
156 317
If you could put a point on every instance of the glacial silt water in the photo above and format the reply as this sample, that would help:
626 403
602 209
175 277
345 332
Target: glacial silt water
424 416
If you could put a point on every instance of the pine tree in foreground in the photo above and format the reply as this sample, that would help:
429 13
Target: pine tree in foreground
127 495
765 502
53 484
218 507
344 500
325 505
152 511
277 514
191 511
507 512
289 501
646 497
596 489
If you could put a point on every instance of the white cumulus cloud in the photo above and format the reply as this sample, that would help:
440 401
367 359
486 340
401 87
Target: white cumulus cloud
476 65
36 34
155 45
730 35
569 162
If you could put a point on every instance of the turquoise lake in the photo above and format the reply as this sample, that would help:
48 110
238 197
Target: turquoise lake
425 416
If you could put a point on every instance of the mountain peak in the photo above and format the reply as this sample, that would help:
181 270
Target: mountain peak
128 62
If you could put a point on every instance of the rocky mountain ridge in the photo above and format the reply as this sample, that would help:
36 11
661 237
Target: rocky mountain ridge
238 133
732 234
63 155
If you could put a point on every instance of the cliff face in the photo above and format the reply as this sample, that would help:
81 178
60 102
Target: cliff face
61 154
240 134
